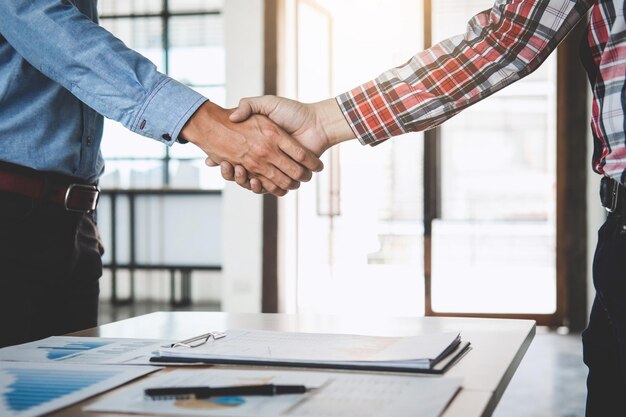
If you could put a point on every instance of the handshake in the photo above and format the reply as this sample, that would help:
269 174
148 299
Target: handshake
268 144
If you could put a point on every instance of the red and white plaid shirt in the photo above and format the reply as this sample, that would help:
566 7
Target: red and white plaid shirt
501 46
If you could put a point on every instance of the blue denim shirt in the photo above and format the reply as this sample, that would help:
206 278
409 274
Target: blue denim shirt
60 73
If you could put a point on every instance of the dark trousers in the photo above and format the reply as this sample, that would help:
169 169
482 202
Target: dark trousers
604 340
50 264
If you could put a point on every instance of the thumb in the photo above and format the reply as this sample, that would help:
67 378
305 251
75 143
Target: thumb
255 105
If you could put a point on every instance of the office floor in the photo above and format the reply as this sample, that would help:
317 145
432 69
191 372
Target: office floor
550 382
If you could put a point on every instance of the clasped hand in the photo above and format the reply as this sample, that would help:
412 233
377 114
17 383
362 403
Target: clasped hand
313 127
258 146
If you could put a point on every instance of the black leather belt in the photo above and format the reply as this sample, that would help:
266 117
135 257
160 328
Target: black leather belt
613 196
60 190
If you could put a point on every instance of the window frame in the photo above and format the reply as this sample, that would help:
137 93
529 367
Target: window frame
165 15
571 168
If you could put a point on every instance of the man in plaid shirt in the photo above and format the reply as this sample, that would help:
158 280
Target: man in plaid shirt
500 46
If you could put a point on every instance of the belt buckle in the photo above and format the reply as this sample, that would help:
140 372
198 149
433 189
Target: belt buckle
83 187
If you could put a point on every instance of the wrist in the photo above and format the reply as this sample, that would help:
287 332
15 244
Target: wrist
200 123
332 122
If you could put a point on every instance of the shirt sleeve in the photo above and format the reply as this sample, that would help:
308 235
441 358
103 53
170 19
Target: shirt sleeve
95 66
499 47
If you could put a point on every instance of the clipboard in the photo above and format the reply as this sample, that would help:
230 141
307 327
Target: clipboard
207 349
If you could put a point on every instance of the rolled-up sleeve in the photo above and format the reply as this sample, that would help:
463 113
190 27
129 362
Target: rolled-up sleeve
99 69
499 47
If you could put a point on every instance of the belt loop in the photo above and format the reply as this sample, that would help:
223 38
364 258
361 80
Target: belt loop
622 225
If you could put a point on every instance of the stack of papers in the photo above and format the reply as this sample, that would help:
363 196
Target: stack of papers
340 351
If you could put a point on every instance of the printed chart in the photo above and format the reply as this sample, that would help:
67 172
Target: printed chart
85 350
34 389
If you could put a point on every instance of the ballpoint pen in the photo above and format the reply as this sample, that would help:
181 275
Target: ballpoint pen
206 392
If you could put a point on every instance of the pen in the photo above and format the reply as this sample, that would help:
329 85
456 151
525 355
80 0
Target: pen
206 392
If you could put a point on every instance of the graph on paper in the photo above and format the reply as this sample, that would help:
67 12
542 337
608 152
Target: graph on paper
84 350
70 349
28 389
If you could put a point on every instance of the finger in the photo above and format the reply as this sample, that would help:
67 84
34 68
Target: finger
257 186
254 105
294 171
241 177
228 171
298 153
279 178
210 163
242 112
272 188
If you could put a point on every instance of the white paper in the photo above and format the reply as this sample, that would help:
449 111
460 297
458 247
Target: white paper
339 394
274 346
28 389
83 350
133 400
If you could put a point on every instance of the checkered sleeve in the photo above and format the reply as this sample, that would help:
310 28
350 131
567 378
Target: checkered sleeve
500 46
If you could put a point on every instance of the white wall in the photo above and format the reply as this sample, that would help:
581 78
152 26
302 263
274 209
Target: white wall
242 210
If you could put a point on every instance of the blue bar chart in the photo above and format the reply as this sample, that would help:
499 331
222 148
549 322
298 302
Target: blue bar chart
82 350
34 389
71 349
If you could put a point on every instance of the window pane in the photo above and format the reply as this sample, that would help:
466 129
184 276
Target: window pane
133 174
197 50
195 5
494 248
144 35
117 7
195 174
119 142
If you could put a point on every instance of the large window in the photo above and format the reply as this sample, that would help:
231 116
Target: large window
184 38
458 220
147 184
494 239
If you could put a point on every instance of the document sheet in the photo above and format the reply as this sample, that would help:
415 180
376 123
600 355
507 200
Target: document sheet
336 394
419 352
34 389
83 350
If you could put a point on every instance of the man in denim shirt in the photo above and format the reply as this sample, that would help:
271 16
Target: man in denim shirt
60 73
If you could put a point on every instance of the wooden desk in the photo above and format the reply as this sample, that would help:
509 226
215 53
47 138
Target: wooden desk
497 345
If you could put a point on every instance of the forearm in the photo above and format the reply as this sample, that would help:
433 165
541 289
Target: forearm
69 48
500 46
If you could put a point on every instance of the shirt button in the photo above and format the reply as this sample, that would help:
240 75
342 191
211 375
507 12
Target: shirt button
143 124
89 140
166 136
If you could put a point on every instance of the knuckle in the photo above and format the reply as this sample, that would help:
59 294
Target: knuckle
253 165
299 173
269 130
273 188
286 184
299 154
262 150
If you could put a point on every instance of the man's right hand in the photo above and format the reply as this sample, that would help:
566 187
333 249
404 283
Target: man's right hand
317 126
258 145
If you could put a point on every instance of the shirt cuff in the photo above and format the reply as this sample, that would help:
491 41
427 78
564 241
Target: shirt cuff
166 110
370 114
